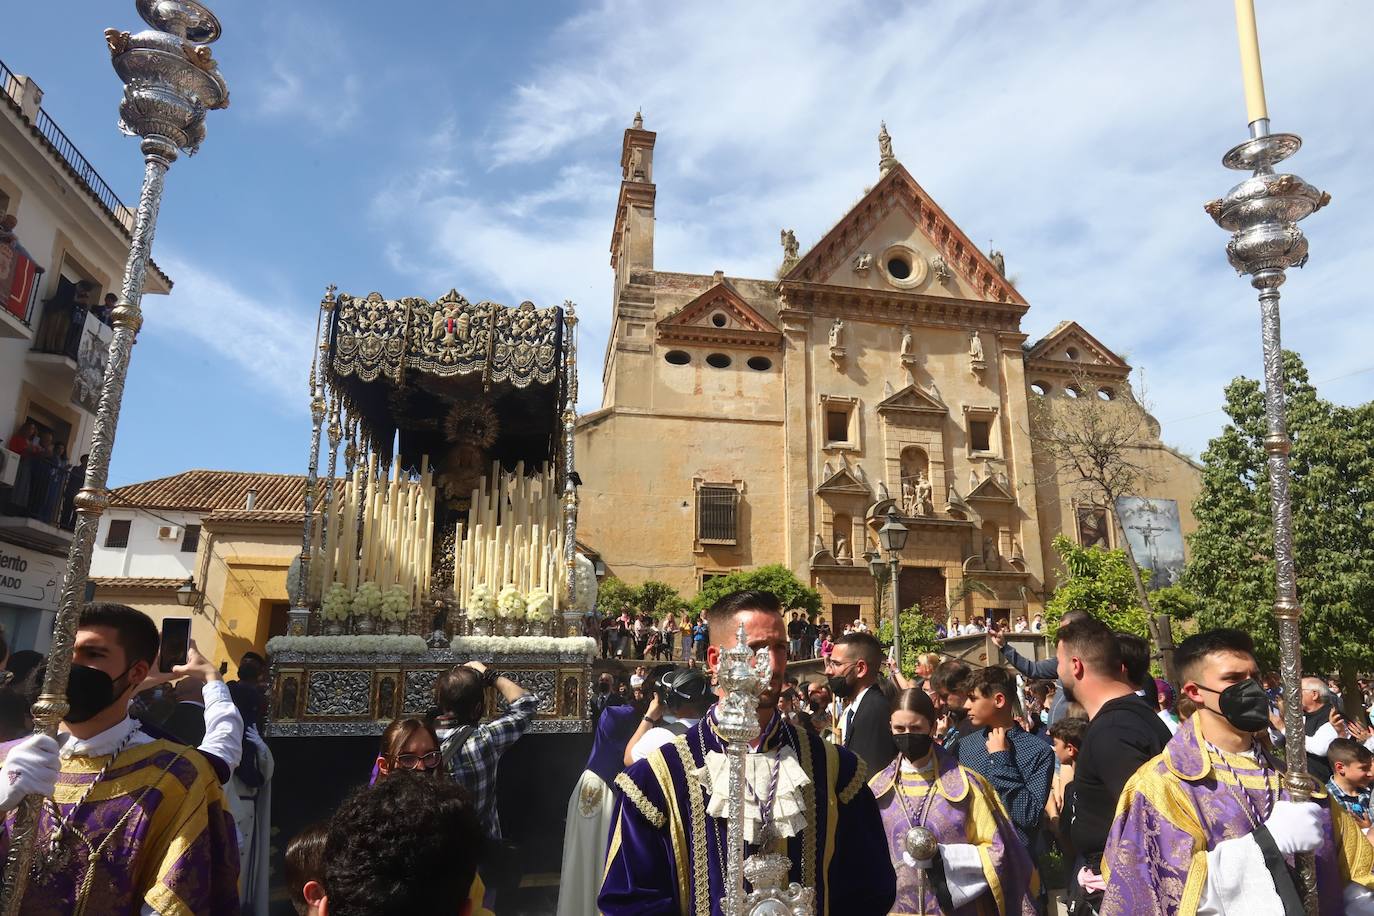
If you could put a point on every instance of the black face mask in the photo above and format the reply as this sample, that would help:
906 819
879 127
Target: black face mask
90 692
1244 704
839 686
912 746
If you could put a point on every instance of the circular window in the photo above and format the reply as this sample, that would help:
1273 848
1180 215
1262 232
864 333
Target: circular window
1073 391
1071 353
903 267
1106 394
760 363
718 320
678 357
718 360
899 267
1040 388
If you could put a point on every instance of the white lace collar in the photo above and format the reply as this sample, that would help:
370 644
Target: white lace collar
105 743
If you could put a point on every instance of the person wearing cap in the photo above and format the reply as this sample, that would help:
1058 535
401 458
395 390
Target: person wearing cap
681 698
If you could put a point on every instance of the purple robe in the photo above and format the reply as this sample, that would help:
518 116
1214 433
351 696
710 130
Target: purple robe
164 835
965 810
1180 805
666 853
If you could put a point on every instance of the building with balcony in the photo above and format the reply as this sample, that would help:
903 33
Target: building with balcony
64 239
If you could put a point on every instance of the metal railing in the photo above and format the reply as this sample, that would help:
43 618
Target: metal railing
716 514
64 147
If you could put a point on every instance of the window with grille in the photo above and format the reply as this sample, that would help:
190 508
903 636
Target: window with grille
190 540
717 509
118 535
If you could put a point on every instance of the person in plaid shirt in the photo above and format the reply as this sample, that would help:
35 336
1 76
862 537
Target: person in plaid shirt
1352 774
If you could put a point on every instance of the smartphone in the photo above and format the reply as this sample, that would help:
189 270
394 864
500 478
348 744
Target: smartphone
176 639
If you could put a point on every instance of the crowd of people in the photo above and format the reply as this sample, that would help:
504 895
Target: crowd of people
157 786
635 635
46 483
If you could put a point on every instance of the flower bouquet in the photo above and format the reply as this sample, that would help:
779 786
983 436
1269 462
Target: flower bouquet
480 608
367 604
538 610
395 608
335 608
510 607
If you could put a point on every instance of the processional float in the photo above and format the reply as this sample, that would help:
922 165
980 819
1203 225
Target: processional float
1262 213
171 82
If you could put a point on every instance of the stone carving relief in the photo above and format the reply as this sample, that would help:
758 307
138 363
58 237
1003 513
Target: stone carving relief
863 262
940 269
339 693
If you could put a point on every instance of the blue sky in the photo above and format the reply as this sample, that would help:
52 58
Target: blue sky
435 145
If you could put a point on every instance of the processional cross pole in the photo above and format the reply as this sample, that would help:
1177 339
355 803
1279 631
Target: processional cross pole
171 81
1262 213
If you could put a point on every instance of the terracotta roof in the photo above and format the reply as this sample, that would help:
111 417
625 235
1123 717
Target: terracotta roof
206 491
278 516
135 582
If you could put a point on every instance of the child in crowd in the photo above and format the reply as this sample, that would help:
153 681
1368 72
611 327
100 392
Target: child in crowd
305 868
1067 736
1352 766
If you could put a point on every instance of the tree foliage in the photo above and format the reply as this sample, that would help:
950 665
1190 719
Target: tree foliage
614 596
657 599
1098 582
776 578
1231 562
918 636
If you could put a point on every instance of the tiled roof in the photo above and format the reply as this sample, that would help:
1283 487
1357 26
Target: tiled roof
135 582
278 516
206 491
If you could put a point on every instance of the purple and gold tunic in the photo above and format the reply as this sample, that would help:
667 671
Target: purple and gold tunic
154 831
964 810
1180 805
666 852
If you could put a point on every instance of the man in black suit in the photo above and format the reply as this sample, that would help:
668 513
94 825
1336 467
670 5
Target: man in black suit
854 669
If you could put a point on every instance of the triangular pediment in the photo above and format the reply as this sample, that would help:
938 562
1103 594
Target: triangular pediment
844 481
720 315
991 488
912 400
1070 343
898 219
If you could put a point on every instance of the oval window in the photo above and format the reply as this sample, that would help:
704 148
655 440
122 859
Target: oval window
899 268
760 363
1040 388
1071 353
1106 394
718 320
1073 391
678 357
718 360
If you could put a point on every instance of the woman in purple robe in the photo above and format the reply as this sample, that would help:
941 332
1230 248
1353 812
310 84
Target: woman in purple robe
981 868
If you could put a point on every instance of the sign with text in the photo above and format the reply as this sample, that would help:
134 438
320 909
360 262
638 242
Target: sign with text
29 578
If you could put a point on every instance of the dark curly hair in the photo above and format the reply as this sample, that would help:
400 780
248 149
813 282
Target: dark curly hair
409 844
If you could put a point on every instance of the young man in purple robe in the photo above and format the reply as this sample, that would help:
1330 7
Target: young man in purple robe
130 824
668 834
1207 826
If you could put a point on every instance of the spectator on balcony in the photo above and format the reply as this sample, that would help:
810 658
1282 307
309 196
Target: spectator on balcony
81 305
76 478
18 271
58 469
103 311
60 314
40 458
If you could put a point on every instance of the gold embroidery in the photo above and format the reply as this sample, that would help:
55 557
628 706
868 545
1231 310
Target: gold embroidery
809 834
658 762
832 820
637 798
701 878
856 783
589 799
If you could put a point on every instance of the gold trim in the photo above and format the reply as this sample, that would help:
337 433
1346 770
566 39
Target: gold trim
809 834
658 762
857 782
832 768
701 877
637 798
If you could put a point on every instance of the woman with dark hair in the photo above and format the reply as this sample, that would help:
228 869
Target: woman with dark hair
408 744
976 865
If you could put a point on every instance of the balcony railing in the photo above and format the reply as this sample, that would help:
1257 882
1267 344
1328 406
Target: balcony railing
64 147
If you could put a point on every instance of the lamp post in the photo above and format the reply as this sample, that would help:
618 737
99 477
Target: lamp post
186 595
892 536
878 568
1262 213
171 81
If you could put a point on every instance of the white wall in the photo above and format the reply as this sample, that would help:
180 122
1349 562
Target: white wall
146 555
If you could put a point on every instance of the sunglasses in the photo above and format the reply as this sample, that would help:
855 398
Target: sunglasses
428 761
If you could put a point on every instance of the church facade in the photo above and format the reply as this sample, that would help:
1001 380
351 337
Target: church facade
754 421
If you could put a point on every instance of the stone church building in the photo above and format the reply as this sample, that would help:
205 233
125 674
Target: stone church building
755 421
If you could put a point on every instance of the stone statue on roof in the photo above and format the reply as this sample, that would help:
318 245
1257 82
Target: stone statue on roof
789 245
884 142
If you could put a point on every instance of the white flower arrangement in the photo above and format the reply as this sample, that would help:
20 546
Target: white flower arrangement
337 603
517 645
396 604
481 603
538 605
367 600
510 604
348 645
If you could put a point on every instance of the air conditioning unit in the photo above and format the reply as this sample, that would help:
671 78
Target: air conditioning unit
9 467
169 533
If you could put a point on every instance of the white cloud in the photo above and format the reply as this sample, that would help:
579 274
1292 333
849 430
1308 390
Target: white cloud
1084 139
310 76
267 346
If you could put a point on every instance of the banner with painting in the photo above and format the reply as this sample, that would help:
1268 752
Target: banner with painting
90 363
1156 538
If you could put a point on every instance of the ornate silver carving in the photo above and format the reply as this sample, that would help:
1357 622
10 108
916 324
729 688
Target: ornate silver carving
376 727
339 692
1262 213
419 691
171 82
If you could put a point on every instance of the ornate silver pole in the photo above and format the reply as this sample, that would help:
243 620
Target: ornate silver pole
171 81
572 625
1262 213
335 434
298 617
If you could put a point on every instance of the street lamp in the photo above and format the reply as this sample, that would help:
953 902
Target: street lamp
878 568
892 536
186 595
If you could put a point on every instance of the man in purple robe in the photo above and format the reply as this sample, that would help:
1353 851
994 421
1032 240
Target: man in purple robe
1207 826
668 836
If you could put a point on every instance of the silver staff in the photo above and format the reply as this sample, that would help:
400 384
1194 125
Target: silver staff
171 81
1262 213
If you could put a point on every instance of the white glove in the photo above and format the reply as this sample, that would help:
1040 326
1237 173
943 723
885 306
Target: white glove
1295 826
31 768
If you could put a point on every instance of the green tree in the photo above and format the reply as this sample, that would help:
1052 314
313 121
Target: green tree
658 599
614 596
1231 563
918 636
1100 583
776 578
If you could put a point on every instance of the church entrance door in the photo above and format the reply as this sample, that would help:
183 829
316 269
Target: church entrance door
923 587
